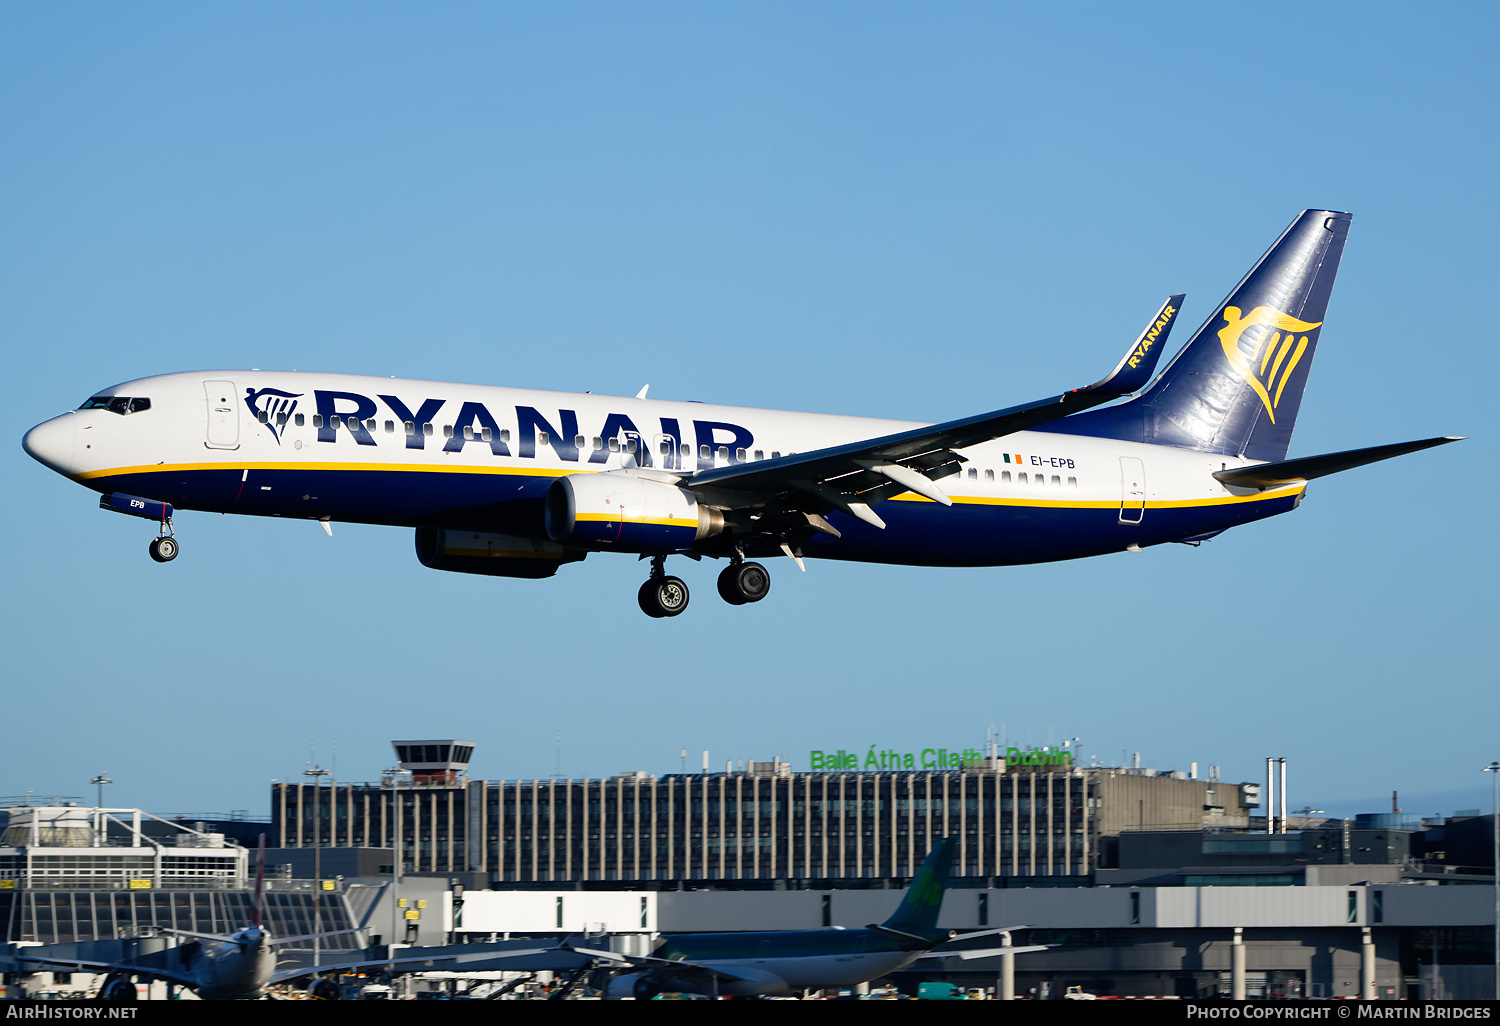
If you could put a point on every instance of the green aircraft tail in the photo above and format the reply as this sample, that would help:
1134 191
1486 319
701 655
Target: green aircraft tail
918 912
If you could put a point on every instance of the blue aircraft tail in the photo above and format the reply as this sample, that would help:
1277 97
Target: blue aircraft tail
918 912
1235 388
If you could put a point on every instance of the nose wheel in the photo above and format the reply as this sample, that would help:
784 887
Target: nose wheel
163 548
740 583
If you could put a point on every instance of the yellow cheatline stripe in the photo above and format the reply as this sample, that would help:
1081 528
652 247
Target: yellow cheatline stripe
615 518
412 468
1222 500
510 471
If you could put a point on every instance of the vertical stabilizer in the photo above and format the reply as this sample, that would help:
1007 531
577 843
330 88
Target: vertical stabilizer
918 912
1236 387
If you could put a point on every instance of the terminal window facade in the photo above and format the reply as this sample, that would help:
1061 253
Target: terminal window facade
721 826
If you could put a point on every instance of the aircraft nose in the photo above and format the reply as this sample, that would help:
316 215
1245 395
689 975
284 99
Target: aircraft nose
51 442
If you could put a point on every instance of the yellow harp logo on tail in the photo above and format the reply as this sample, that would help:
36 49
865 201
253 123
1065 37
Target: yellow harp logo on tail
1272 357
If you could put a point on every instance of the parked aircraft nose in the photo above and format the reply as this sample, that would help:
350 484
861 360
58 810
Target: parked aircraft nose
51 443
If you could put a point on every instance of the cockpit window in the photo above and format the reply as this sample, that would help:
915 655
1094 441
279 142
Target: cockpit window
121 404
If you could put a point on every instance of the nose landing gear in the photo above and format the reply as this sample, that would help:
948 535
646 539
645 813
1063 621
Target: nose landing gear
163 549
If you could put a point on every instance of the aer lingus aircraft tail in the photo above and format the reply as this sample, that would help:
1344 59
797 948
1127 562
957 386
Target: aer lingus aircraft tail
1235 388
917 914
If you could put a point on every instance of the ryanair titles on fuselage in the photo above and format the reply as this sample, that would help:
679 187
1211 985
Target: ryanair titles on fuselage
474 423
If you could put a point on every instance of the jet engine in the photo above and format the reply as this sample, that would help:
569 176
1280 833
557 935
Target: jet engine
496 555
118 988
627 513
323 989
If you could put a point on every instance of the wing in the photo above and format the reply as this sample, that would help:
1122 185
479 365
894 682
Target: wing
985 952
666 966
510 960
799 489
82 965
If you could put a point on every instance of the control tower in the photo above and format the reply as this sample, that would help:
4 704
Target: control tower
435 762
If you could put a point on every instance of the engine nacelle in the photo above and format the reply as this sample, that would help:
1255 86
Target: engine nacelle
627 513
323 989
495 555
118 989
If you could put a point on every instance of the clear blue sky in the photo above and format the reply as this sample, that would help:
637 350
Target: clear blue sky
917 211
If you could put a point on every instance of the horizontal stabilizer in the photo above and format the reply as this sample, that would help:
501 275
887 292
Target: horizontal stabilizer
1275 475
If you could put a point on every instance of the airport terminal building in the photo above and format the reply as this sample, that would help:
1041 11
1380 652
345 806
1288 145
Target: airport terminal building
1031 817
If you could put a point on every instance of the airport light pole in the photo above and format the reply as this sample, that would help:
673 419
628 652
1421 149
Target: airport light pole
99 828
1493 769
390 948
317 773
99 782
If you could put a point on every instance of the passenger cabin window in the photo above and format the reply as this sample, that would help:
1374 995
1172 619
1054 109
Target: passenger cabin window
579 441
760 454
1072 482
487 435
317 419
665 447
1005 477
301 419
410 427
1056 481
973 474
262 416
1021 478
614 445
124 405
704 452
390 427
989 475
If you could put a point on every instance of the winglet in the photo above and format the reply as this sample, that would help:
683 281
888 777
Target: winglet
1134 372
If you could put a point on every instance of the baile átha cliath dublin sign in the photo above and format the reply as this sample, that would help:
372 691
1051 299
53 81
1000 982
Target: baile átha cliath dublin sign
889 759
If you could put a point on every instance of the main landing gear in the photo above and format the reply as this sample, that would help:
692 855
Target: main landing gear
742 582
739 582
662 595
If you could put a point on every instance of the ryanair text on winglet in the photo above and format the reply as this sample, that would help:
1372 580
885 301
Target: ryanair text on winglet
1152 334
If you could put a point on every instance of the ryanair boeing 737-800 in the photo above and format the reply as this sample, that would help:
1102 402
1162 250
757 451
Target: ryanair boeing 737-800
515 483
